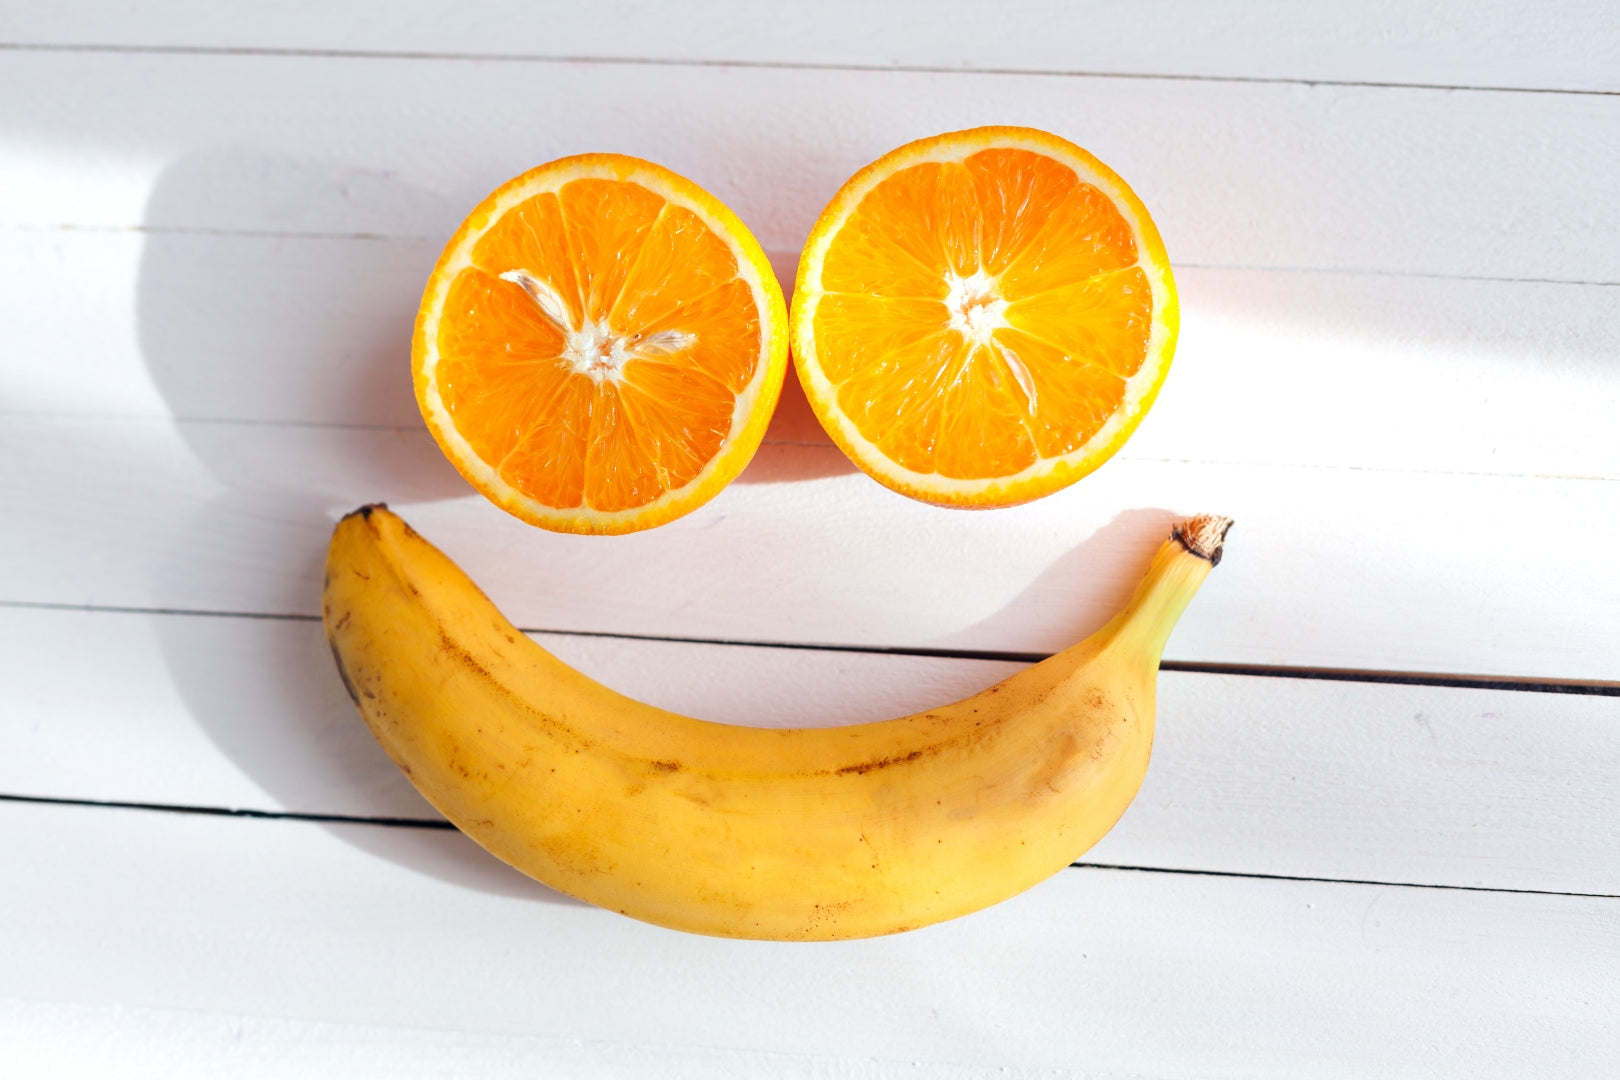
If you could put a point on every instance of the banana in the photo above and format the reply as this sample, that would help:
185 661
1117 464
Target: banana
800 834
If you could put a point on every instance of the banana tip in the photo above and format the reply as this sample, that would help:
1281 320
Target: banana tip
1203 536
366 511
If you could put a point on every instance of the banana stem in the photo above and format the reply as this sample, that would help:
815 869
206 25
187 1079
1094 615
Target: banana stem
1179 567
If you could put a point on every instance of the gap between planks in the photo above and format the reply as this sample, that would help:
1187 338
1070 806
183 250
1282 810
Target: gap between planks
446 826
785 261
776 65
769 440
1597 687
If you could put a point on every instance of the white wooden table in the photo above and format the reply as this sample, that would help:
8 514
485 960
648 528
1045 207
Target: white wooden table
1381 833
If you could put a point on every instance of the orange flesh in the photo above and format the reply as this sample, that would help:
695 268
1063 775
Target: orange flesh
1058 313
519 386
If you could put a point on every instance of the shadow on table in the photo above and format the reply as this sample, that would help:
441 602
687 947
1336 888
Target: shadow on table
237 334
795 446
1082 589
251 338
267 694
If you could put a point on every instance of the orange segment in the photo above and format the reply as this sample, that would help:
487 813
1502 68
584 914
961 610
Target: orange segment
734 321
1085 235
679 261
606 222
1072 401
1104 321
863 333
600 346
680 418
983 317
1017 192
929 213
905 416
549 461
502 363
532 235
970 448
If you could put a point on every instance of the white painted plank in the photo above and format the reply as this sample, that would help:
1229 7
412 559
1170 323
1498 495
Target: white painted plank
1301 778
1273 367
1339 568
1094 972
1236 174
212 327
47 1040
249 713
1567 45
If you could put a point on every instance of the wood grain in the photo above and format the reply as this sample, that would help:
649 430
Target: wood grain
1399 275
50 1039
1336 568
1273 367
1397 371
1567 45
1094 971
1300 778
1236 174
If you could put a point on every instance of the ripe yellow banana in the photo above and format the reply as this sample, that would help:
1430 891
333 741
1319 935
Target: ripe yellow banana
801 834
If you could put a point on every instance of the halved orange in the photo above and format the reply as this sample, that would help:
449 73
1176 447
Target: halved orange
983 317
600 346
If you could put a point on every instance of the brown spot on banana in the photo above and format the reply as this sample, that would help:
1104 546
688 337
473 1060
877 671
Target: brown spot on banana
461 655
1059 765
861 768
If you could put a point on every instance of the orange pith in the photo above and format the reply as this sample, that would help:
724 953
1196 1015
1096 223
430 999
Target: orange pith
600 346
983 317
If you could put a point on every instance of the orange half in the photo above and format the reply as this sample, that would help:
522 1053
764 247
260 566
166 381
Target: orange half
600 346
983 317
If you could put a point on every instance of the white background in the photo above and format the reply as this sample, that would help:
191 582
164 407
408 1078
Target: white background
1397 241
